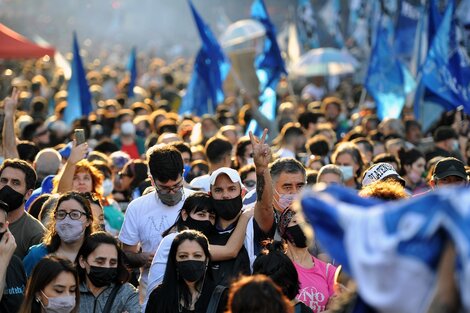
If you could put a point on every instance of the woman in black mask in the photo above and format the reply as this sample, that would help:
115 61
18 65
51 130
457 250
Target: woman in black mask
187 285
316 278
198 214
103 277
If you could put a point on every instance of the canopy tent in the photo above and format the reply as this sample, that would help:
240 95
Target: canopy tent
15 46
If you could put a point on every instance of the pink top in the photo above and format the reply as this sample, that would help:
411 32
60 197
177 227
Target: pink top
316 284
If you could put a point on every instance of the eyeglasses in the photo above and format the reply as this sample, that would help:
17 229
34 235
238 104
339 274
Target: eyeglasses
74 215
166 190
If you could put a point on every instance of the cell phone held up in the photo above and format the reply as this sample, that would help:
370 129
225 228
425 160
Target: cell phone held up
79 136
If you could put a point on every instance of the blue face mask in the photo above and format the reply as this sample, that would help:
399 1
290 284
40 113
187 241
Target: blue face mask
187 169
347 171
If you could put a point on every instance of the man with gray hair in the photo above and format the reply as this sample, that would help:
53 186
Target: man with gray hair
330 174
47 162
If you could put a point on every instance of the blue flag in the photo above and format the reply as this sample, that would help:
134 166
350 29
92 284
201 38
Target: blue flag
269 66
132 69
211 67
406 25
446 71
392 249
388 81
78 92
307 25
330 14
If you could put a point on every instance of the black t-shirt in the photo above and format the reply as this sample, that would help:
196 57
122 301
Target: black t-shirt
301 307
225 271
15 285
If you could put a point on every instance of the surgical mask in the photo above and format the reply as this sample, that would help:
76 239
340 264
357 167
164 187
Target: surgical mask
348 172
228 209
295 235
285 199
102 276
127 128
170 199
13 198
191 270
455 145
69 230
63 304
204 227
250 161
107 187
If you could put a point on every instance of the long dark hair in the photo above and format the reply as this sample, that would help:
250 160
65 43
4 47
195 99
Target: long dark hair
174 289
51 237
196 202
94 241
43 274
274 263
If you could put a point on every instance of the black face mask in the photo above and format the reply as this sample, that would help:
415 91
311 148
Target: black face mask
228 209
13 198
191 270
204 227
102 276
295 235
1 235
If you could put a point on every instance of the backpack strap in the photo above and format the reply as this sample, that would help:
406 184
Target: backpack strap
111 297
215 299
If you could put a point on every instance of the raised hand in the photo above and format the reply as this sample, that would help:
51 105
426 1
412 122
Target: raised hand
10 103
261 151
77 153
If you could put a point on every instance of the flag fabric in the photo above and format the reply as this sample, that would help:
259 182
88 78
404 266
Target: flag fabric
406 25
132 70
330 15
269 67
391 249
307 25
78 92
211 67
446 71
388 81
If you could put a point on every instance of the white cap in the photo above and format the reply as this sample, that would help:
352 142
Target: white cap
381 171
230 172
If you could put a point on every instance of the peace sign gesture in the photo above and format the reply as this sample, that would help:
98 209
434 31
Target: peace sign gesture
10 103
261 151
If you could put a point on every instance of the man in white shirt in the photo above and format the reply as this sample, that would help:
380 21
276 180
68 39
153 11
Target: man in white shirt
149 216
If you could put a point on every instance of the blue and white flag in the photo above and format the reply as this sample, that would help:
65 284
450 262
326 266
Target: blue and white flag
211 67
388 80
406 25
78 92
446 71
269 67
132 70
307 25
391 249
330 15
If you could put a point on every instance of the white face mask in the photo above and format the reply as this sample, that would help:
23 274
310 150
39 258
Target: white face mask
128 128
107 187
348 172
285 199
58 304
249 161
69 230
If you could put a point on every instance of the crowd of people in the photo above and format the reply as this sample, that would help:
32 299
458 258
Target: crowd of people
161 212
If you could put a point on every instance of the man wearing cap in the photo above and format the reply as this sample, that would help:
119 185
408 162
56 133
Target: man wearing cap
449 171
148 216
380 172
12 274
446 143
227 191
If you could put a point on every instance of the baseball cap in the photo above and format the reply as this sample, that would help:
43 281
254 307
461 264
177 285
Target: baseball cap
443 133
231 173
450 167
381 171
